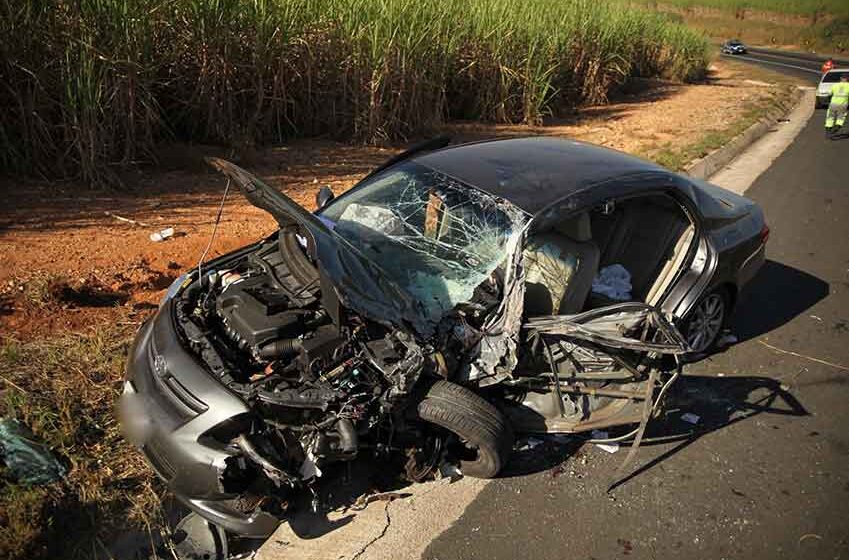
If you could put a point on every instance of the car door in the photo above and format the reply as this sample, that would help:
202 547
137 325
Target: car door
597 369
612 358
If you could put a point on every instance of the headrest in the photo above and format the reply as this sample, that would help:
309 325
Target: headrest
576 227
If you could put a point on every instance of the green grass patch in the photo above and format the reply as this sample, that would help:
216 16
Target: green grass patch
820 26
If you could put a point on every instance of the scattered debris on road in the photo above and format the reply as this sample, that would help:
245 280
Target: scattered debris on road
450 471
363 501
612 447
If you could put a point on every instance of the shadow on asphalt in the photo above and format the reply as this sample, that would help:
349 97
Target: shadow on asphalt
774 297
719 402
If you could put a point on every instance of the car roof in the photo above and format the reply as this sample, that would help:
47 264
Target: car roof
533 172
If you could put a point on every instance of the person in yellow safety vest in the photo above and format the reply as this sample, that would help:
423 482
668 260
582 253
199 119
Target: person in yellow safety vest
839 104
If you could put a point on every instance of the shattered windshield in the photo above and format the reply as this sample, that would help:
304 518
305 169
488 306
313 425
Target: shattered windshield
434 236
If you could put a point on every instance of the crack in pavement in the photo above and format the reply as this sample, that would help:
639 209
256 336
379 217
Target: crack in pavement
382 532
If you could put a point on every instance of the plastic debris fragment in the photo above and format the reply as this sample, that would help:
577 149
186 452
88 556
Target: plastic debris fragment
690 418
450 471
162 235
612 447
27 460
528 444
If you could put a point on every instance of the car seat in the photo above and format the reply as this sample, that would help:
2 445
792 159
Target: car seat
641 235
560 265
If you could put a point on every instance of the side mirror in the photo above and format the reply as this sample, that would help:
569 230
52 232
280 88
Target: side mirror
323 197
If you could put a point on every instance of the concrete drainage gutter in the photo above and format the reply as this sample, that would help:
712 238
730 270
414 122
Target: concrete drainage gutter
705 167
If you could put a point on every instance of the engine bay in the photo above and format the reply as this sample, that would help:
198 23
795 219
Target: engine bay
320 392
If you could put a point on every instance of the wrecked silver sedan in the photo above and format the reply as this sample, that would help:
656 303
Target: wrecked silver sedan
455 296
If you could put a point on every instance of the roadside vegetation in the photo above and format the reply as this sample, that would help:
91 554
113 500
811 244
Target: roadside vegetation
812 25
776 100
810 8
65 388
93 85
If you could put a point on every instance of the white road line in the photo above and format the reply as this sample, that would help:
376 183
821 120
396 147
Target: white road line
740 56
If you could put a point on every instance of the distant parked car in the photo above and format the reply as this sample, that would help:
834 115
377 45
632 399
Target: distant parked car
734 46
826 83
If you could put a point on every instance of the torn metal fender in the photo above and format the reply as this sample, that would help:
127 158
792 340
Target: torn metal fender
497 348
607 327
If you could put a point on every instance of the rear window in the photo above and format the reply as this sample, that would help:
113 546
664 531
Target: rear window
833 77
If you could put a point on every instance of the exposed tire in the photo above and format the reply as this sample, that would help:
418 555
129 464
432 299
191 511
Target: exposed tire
706 321
486 433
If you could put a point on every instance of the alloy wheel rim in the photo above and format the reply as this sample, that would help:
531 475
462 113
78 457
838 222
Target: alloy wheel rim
706 323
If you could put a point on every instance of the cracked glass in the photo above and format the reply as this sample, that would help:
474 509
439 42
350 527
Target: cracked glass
436 237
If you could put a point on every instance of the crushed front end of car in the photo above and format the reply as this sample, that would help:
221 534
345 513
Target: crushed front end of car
264 366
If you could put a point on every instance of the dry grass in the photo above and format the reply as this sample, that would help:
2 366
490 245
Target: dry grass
65 388
779 97
813 26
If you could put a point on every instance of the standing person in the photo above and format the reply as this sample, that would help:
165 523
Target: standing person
839 104
828 65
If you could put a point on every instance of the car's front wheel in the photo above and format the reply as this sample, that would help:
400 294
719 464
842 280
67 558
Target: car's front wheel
705 321
481 436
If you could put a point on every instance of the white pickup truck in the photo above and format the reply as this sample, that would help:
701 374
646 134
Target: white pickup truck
826 83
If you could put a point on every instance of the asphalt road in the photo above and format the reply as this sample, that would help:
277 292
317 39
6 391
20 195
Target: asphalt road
766 475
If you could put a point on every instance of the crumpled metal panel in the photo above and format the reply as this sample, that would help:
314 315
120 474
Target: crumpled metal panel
360 284
498 339
614 327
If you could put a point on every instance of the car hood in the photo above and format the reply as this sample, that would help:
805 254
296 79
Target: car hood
359 283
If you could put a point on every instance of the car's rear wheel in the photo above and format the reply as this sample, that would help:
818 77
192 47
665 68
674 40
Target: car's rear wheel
706 320
481 436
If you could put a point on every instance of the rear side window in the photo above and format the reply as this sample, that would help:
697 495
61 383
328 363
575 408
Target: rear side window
833 77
